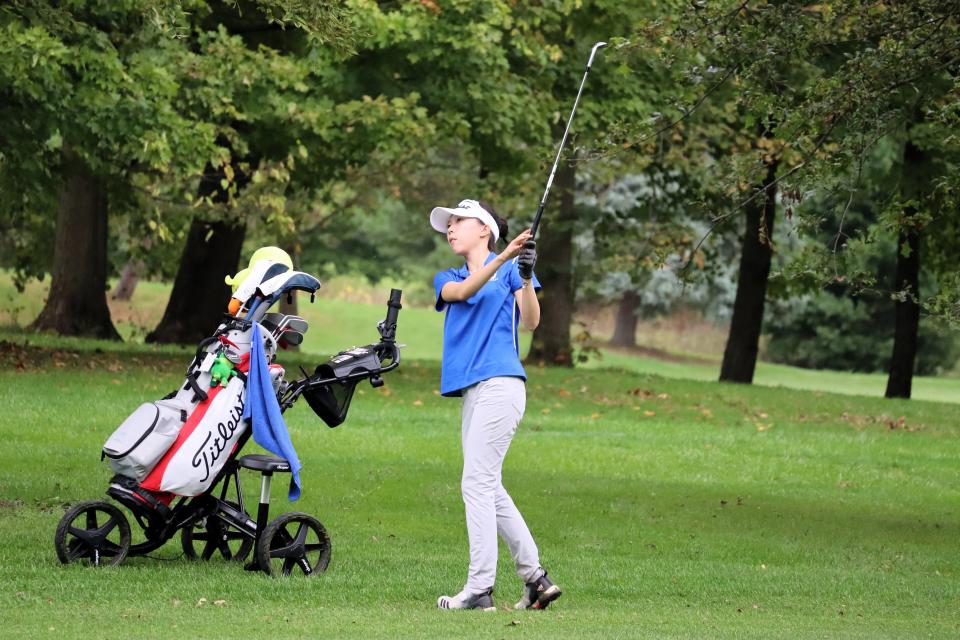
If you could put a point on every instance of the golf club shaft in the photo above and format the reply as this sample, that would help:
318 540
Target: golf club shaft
563 141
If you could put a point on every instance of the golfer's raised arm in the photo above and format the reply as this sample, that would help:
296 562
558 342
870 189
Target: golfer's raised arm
459 291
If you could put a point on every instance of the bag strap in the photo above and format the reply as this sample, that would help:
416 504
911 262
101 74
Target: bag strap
191 383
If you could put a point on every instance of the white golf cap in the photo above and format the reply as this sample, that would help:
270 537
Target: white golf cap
465 209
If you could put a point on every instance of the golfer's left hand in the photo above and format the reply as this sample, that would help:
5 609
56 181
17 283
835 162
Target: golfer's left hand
516 245
527 258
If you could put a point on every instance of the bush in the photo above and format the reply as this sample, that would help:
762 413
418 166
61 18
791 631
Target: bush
827 331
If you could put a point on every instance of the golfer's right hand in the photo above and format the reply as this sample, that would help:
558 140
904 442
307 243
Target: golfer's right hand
527 259
516 245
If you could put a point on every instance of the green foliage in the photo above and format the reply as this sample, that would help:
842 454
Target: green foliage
495 81
827 331
832 80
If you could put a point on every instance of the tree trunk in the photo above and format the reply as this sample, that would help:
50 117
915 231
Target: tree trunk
625 326
907 309
128 280
743 341
200 296
77 302
551 340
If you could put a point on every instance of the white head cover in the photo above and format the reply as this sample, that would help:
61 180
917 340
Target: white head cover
466 209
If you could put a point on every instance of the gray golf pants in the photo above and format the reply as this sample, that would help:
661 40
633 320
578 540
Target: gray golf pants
492 410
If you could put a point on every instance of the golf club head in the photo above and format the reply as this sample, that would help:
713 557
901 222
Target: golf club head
271 320
290 322
296 323
291 339
593 52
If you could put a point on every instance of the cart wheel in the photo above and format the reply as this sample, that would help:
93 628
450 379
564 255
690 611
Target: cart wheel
211 535
294 540
94 531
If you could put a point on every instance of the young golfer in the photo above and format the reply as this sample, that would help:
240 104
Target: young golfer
484 301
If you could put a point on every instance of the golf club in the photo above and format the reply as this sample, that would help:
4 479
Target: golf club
291 338
295 323
271 320
563 141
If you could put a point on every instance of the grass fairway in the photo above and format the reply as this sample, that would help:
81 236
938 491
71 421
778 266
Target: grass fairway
665 508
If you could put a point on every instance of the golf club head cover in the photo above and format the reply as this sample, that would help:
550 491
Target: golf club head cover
527 259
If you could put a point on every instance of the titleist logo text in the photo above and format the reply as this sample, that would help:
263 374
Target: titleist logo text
209 452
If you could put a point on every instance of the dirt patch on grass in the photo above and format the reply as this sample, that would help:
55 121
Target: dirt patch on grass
31 357
658 354
683 331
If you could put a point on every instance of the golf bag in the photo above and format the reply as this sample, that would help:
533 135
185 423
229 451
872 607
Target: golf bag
179 444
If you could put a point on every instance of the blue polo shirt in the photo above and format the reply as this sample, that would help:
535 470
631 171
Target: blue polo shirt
480 334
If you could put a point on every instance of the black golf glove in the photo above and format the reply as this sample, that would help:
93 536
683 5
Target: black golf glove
527 258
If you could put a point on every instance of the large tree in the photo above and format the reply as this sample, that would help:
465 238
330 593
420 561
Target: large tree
86 102
294 129
99 103
502 77
835 78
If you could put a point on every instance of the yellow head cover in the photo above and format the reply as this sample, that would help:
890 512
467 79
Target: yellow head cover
272 254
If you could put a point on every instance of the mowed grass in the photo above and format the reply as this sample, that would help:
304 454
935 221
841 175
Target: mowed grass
938 389
664 507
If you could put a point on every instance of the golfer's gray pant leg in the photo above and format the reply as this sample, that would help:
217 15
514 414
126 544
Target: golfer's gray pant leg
492 410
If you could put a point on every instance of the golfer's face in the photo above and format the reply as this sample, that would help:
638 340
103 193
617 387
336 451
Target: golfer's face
464 233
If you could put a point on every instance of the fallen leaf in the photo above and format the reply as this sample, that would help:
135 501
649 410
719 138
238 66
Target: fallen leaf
563 393
201 602
219 603
649 413
418 403
594 415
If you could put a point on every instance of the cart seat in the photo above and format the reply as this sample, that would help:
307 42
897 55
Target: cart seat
264 463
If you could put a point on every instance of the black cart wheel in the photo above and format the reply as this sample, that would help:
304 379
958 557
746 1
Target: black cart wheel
294 540
212 535
95 532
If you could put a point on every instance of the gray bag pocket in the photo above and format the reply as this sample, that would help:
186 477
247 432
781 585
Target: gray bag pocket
139 443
